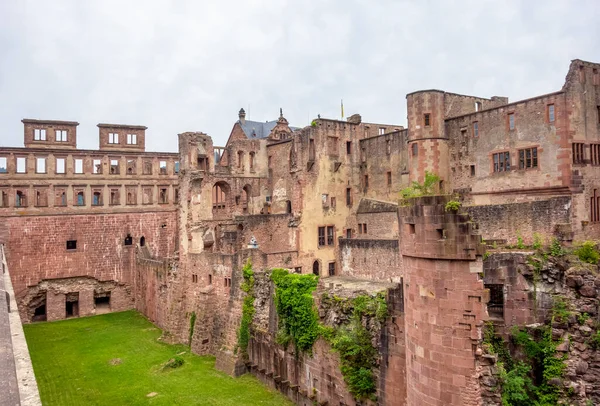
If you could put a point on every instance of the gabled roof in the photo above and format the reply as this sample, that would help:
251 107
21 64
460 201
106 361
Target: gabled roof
257 129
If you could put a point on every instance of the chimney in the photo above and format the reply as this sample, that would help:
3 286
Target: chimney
242 116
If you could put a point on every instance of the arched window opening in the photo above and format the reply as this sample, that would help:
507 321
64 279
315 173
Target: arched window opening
240 159
21 199
80 199
142 241
97 199
252 160
128 240
288 209
219 196
316 267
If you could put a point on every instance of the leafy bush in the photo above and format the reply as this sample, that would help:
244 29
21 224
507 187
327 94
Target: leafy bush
298 318
538 241
427 188
595 340
517 387
587 252
174 362
357 358
453 205
556 249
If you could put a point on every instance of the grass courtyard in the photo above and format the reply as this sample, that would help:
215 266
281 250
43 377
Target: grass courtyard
115 359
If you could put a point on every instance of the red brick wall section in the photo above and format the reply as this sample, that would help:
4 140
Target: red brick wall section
37 245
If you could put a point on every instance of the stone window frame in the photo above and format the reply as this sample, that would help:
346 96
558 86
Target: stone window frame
389 178
551 113
495 163
127 167
511 121
37 190
63 159
114 195
578 151
39 134
21 196
327 237
534 158
4 193
151 194
147 164
39 159
75 159
475 127
131 139
4 159
114 169
63 194
61 135
426 120
79 191
131 191
113 138
595 154
100 192
164 200
331 268
163 170
97 170
17 158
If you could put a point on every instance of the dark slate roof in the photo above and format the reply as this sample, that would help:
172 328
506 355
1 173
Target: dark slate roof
258 129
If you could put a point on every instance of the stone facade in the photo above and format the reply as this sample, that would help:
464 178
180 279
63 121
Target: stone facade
177 229
75 218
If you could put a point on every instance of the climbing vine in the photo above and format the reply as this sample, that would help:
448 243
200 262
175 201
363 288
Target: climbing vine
192 324
298 318
247 308
353 342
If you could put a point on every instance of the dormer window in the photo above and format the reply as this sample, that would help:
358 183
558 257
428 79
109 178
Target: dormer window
39 134
61 135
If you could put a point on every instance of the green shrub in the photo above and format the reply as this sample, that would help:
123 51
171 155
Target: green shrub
538 241
556 249
453 205
520 243
427 188
517 387
587 252
582 318
595 340
174 362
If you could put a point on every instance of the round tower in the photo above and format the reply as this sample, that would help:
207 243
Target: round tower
427 142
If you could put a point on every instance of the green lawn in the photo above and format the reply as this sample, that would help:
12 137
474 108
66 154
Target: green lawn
72 363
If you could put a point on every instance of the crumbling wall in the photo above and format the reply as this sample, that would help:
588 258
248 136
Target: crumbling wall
549 218
315 376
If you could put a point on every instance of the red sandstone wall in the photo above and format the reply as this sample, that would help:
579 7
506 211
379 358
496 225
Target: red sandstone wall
37 245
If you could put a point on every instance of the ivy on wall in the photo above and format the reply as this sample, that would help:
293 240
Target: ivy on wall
247 309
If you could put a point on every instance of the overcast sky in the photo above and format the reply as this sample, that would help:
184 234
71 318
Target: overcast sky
178 66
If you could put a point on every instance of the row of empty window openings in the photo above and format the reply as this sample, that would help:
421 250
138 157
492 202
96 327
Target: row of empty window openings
39 134
60 199
78 166
101 304
113 138
72 244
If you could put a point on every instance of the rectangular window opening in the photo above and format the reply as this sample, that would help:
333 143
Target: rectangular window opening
501 162
528 158
3 164
427 120
40 165
78 165
348 147
475 129
113 138
331 269
39 134
511 121
472 170
61 135
21 164
551 116
71 244
60 165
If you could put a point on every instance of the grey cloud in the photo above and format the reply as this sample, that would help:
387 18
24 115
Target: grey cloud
180 66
